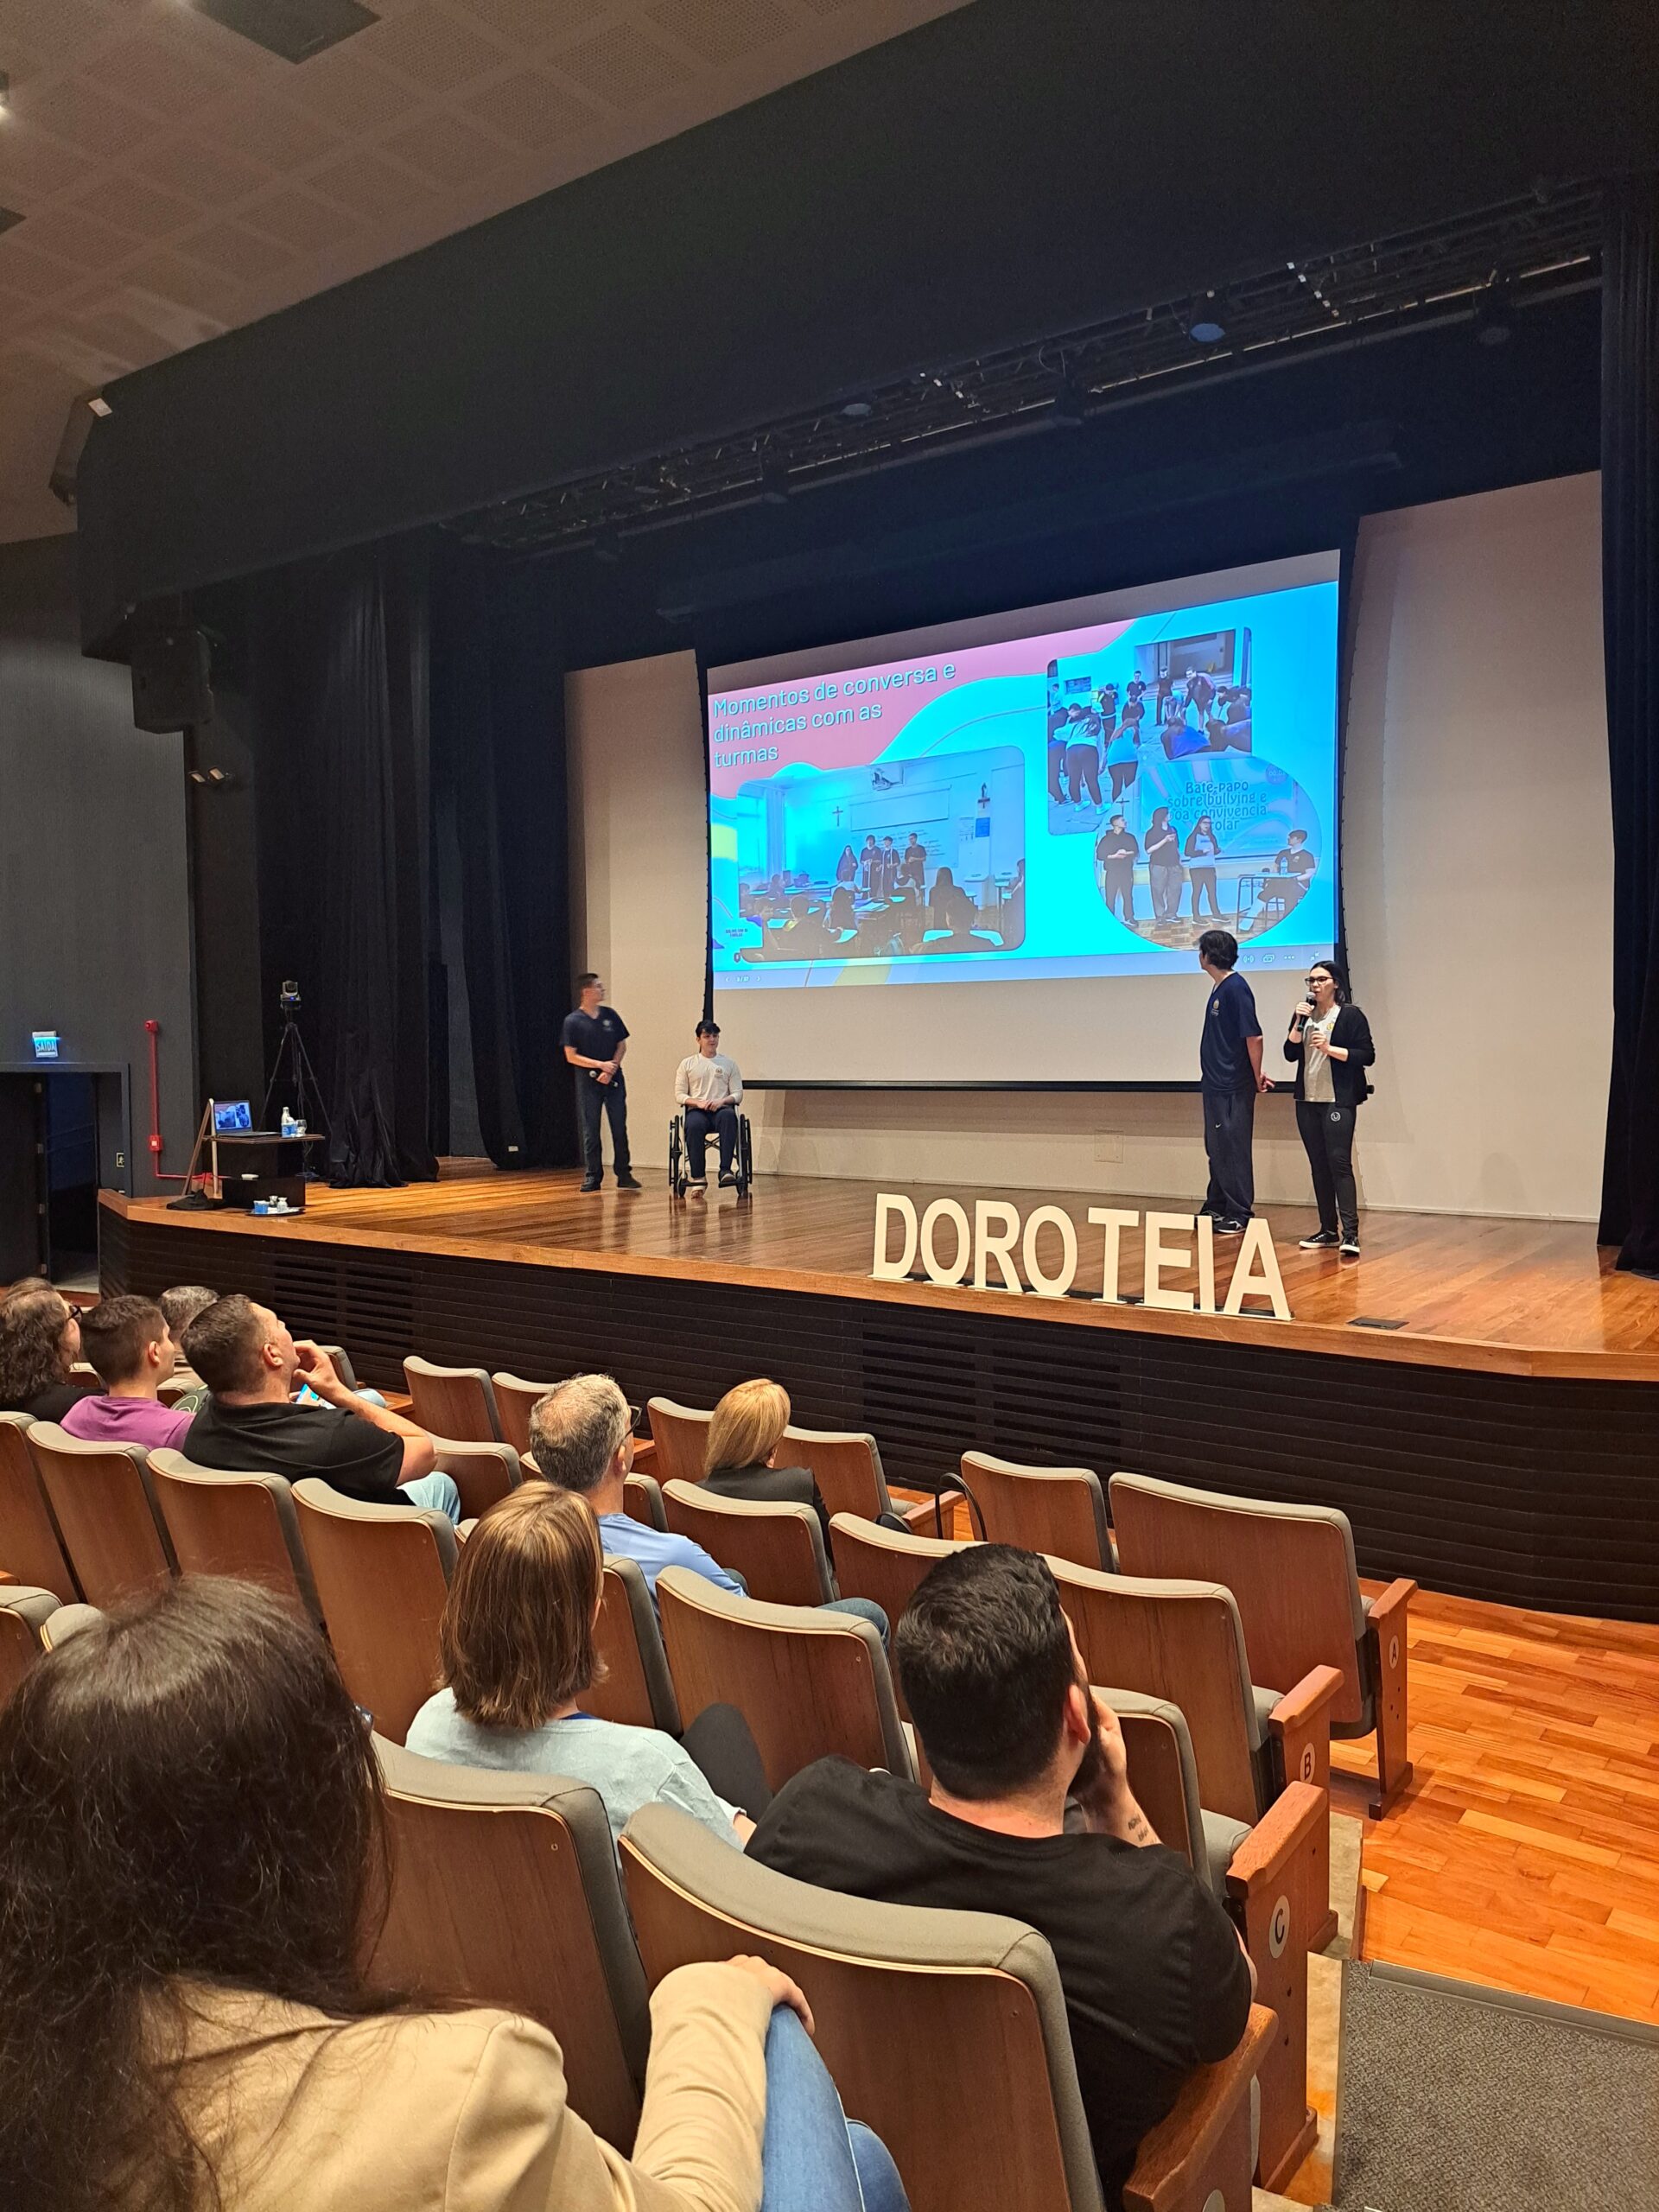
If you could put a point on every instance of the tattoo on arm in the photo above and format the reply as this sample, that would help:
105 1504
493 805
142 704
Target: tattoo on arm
1140 1829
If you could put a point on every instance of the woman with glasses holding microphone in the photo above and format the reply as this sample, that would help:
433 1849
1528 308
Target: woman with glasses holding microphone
1330 1041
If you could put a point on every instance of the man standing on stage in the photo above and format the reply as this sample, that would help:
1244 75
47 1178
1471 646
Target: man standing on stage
708 1088
595 1039
1230 1059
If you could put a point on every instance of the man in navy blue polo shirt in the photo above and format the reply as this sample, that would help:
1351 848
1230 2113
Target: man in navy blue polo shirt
594 1037
1229 1060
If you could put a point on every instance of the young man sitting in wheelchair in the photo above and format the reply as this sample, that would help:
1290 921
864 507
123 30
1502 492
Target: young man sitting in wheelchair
708 1089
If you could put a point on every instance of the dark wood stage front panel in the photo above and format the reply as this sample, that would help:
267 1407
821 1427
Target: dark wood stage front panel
1499 1445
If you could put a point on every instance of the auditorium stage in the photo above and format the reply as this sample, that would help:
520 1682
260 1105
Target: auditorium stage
1495 1439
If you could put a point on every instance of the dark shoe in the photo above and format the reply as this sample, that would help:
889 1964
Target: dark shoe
592 1183
1326 1241
728 1179
1349 1248
629 1183
1231 1228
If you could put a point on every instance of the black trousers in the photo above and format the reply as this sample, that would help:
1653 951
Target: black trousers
611 1099
699 1121
1120 889
720 1746
1228 1134
1203 879
1327 1136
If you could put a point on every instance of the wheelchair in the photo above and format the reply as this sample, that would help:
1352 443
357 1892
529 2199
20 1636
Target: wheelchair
679 1169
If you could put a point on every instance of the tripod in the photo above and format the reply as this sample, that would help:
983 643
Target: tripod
295 1061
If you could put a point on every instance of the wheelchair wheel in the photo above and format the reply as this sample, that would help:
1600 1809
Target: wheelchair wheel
745 1158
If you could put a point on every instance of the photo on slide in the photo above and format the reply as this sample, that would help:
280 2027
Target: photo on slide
912 857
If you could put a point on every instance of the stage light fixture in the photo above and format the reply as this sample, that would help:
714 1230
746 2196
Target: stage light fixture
1494 317
857 410
1206 331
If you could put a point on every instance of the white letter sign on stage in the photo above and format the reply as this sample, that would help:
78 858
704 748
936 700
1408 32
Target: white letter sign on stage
1174 1243
886 1270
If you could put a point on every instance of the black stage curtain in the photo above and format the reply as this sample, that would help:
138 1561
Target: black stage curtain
1629 585
497 730
339 681
381 680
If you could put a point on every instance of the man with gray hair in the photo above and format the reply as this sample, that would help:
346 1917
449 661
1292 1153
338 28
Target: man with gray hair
581 1438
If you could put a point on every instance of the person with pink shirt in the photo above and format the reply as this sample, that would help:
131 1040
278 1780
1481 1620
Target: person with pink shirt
128 1341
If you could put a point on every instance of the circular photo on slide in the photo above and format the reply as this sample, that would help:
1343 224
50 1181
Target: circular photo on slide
1206 843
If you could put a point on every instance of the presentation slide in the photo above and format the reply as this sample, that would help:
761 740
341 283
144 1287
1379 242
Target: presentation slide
1014 826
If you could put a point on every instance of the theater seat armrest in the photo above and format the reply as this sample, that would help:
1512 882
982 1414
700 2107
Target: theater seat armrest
1266 1852
1185 2155
919 1515
1301 1726
1393 1602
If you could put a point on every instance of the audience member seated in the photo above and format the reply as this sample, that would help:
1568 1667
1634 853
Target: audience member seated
190 1830
581 1438
518 1650
741 1457
1155 1978
40 1343
251 1365
180 1305
128 1341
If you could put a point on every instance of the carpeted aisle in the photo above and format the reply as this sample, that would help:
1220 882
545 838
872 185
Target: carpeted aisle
1456 2098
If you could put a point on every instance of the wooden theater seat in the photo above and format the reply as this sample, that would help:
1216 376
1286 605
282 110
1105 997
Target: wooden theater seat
1273 1879
808 1682
24 1612
481 1472
945 2031
1057 1510
1291 1572
883 1565
382 1574
638 1689
31 1549
777 1548
680 1434
226 1523
103 1504
504 1892
515 1401
846 1465
456 1401
1181 1642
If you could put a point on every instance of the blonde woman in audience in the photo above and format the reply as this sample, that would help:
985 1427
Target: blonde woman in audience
192 1838
745 1438
518 1652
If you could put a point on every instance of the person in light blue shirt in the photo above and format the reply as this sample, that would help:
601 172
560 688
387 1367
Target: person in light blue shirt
581 1439
517 1646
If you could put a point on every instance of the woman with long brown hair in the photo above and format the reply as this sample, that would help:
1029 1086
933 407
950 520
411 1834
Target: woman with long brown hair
191 1847
517 1644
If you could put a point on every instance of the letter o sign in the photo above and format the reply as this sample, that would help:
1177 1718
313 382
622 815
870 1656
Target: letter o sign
957 1216
1278 1928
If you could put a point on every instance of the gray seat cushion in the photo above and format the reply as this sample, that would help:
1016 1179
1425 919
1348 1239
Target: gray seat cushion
1222 1838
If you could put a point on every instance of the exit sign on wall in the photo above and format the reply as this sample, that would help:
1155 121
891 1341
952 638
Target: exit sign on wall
45 1044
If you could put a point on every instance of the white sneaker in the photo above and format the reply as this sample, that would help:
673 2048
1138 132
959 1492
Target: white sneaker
696 1182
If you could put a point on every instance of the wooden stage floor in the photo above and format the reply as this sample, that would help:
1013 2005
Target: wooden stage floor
1504 1296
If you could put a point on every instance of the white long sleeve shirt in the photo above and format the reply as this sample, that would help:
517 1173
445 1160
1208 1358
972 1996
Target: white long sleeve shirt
708 1082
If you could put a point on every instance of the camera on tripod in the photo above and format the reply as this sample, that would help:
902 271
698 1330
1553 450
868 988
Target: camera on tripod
288 1000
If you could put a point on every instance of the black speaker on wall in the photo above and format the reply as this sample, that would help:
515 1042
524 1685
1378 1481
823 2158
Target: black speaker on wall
170 689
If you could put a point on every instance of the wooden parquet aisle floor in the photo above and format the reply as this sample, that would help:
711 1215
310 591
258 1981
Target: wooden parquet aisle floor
1526 1853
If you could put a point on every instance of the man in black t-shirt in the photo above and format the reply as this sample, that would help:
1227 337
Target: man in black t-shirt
249 1426
594 1037
1155 1979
